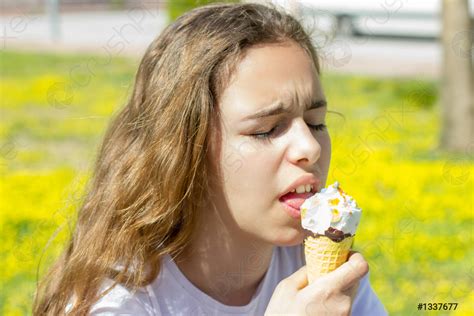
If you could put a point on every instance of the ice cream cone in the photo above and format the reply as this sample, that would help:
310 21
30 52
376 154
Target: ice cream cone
324 255
332 216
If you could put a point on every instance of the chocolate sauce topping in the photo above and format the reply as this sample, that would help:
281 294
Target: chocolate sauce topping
335 234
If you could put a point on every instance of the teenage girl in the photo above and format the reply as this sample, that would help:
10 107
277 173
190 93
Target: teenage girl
183 214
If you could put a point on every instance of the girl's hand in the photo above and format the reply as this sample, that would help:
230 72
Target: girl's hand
331 294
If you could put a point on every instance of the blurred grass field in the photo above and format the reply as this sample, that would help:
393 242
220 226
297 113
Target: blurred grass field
417 227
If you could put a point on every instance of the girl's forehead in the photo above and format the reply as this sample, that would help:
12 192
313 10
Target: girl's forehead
268 74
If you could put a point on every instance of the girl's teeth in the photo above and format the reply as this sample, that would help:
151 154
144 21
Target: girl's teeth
301 189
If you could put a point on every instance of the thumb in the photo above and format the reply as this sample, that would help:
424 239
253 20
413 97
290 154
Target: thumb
349 273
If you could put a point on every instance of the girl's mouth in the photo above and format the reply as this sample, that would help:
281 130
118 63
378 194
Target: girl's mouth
292 202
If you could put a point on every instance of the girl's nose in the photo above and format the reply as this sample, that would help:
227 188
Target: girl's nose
303 148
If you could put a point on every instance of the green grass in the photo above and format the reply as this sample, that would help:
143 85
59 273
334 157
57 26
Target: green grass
416 230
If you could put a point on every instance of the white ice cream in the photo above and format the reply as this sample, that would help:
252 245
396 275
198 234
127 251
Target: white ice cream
330 208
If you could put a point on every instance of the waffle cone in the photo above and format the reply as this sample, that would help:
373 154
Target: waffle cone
324 255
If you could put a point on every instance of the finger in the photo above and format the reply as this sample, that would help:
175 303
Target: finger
357 256
352 291
298 280
349 273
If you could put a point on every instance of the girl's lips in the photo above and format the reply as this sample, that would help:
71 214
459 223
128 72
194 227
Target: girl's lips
295 200
293 212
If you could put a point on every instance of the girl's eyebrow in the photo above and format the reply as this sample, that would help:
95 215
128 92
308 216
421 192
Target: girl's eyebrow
280 108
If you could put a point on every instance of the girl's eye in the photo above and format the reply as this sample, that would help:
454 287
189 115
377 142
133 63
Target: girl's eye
319 127
267 135
264 135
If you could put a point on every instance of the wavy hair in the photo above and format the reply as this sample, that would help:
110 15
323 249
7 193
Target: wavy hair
150 177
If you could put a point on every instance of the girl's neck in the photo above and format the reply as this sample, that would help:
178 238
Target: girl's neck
225 263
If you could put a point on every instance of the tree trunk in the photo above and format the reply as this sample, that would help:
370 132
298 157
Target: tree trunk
457 95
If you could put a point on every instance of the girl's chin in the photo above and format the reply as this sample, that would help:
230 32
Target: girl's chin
290 239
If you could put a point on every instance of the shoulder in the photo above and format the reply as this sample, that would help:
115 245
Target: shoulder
366 301
122 301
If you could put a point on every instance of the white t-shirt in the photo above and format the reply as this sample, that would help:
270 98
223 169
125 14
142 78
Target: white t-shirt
172 294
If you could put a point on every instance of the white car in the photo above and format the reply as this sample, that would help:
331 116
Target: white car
406 18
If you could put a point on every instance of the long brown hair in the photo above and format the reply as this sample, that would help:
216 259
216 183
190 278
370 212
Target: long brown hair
151 176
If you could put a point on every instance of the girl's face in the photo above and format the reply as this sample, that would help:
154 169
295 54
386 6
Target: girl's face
271 138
